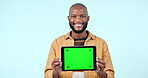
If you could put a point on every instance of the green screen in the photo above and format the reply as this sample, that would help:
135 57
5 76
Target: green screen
78 58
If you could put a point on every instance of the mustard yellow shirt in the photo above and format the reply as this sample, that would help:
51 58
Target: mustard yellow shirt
92 40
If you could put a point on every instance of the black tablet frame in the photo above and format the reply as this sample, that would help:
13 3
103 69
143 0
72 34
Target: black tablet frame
94 57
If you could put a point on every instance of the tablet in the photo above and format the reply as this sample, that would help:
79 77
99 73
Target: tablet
77 58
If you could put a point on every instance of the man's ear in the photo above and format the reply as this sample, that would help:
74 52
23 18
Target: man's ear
88 17
68 17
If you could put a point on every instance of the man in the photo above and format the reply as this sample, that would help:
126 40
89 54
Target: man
79 36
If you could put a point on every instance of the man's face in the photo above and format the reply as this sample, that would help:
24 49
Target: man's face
78 18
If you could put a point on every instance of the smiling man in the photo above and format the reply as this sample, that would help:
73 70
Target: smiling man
78 18
79 36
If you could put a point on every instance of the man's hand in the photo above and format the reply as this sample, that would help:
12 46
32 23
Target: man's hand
100 64
56 64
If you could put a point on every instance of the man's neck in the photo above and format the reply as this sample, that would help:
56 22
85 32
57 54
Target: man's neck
79 36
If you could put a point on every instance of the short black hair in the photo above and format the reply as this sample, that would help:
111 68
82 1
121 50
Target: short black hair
78 4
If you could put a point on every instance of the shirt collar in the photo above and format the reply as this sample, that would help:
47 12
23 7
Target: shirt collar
90 36
67 36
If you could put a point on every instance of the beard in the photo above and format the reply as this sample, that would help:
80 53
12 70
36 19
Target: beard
78 31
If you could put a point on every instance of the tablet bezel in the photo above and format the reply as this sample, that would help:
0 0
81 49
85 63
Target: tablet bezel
94 57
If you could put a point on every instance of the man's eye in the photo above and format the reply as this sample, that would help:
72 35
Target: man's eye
73 16
83 16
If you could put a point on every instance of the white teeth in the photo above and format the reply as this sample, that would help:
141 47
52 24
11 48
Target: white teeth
78 24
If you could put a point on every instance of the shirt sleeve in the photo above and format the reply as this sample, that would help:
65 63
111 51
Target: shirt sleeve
107 59
48 69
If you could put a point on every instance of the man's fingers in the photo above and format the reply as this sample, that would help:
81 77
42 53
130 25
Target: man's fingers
54 65
57 67
101 65
100 61
56 62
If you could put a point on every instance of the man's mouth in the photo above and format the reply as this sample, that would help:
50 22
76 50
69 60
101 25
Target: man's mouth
78 25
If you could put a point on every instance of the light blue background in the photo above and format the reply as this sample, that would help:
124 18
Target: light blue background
28 27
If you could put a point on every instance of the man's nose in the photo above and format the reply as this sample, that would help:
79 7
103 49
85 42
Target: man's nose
78 19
